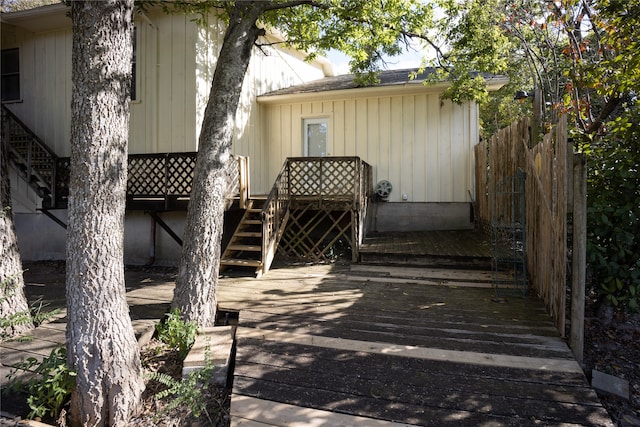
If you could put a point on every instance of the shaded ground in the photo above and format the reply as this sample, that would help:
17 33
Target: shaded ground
613 349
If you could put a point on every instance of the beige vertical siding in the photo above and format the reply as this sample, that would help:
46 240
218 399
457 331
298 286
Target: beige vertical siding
175 64
421 145
45 84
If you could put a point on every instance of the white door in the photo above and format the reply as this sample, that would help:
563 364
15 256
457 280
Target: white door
316 133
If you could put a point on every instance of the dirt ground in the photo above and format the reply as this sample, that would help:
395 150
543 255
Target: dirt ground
613 349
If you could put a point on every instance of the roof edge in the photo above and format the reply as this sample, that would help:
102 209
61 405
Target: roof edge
413 87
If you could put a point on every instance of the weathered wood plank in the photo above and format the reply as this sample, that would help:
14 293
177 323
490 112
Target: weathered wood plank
486 343
372 344
475 358
397 411
415 371
491 398
265 316
248 411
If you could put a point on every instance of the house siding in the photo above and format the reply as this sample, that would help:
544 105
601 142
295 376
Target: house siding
176 59
422 145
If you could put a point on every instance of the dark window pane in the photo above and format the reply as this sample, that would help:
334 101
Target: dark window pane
10 75
10 61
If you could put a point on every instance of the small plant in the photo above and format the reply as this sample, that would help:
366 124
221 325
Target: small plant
8 289
176 333
38 313
50 387
190 392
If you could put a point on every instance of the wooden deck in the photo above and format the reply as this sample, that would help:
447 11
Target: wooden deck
380 345
462 248
372 345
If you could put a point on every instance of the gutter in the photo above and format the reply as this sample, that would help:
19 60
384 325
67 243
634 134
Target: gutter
410 88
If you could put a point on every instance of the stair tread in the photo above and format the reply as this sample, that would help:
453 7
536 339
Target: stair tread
251 221
242 262
241 247
248 234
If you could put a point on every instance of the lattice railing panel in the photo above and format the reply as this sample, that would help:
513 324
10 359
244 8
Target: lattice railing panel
324 176
147 176
180 170
305 177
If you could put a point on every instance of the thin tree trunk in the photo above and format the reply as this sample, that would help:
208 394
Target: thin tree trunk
196 283
101 345
15 318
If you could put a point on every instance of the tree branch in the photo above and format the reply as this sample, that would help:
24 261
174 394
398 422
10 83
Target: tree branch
611 105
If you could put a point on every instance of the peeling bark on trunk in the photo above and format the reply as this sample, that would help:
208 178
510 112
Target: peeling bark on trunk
196 283
101 345
14 308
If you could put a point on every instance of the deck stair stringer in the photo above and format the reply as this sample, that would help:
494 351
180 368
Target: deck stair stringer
245 247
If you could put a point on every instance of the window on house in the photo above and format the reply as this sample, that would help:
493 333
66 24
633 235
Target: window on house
10 75
316 132
134 66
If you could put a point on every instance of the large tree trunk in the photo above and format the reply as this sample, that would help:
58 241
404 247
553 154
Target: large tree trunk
196 283
14 309
101 345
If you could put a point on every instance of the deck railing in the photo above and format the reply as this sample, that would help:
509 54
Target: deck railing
275 213
322 182
326 179
30 157
166 179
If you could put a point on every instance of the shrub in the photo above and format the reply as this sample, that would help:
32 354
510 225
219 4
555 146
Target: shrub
613 216
51 385
176 333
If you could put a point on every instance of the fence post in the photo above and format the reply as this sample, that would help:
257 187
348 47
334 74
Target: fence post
579 256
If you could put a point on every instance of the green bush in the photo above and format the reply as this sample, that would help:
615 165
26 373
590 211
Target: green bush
613 216
51 385
176 333
190 392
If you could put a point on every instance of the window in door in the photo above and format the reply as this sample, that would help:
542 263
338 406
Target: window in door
316 137
10 75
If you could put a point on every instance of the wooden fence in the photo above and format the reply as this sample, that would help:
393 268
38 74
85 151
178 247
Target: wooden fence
545 166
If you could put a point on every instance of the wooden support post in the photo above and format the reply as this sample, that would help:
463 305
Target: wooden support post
243 185
537 120
579 256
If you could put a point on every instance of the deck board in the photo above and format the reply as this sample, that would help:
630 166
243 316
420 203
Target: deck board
313 338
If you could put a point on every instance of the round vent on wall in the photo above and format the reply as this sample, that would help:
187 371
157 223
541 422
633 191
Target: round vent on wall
383 189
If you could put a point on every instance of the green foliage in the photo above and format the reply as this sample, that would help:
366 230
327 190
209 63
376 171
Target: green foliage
190 392
36 315
17 5
474 42
50 386
176 333
613 247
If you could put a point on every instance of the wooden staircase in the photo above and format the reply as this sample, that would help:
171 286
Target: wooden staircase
245 247
30 157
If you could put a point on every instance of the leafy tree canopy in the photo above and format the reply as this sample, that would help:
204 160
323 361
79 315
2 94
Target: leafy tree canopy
581 54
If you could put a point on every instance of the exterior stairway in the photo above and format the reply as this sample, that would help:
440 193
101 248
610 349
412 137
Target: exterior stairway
245 247
30 157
